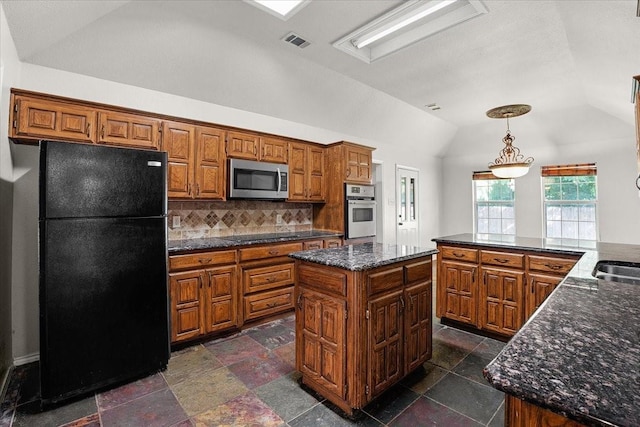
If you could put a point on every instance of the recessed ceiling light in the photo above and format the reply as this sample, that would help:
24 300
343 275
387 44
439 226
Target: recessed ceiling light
283 9
408 23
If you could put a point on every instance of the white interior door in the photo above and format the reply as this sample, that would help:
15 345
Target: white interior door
408 214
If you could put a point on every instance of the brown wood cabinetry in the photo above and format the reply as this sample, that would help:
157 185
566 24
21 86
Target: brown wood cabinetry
242 145
495 290
519 413
268 276
203 297
330 215
128 130
273 150
358 162
196 161
358 333
47 119
306 172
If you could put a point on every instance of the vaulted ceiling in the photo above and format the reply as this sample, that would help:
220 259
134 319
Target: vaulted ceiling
558 56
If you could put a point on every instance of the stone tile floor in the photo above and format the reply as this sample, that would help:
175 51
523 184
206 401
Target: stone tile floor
249 380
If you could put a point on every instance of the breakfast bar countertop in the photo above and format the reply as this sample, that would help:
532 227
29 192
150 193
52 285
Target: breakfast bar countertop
364 256
579 354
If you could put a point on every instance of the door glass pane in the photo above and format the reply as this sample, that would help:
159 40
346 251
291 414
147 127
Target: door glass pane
403 199
412 199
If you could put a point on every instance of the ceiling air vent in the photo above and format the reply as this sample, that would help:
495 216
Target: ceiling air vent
296 40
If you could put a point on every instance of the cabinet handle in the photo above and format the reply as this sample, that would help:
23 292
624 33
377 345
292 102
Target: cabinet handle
300 301
501 260
272 304
348 172
271 279
274 252
201 279
88 129
532 290
255 150
102 132
189 189
473 275
401 304
458 255
484 277
553 266
197 189
204 260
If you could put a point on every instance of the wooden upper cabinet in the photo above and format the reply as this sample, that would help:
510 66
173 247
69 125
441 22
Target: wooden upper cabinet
128 130
273 150
45 119
242 145
306 172
359 161
210 163
177 141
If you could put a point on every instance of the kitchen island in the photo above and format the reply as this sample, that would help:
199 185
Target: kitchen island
576 360
363 319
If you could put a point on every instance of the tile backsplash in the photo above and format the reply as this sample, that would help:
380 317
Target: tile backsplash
219 219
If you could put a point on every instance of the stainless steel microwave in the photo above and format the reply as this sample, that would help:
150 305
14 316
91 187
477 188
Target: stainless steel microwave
249 179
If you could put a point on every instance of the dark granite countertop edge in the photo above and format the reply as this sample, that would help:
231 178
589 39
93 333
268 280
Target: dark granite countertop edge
306 256
212 243
507 245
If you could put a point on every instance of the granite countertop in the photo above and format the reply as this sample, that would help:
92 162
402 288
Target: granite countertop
185 245
365 256
579 354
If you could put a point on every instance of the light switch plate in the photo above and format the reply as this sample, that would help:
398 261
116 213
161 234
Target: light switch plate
176 221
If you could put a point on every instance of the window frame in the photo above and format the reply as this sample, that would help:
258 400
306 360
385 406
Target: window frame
560 171
488 176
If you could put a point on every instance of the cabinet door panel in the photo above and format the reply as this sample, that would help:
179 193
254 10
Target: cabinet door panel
540 287
385 338
186 310
322 332
128 130
48 119
418 321
273 150
209 164
501 300
242 145
177 141
458 291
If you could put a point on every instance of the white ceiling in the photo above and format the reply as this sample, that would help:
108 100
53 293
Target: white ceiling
555 55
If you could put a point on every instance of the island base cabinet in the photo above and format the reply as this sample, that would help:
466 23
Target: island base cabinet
360 332
519 413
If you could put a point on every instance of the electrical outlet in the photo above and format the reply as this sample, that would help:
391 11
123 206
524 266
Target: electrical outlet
278 219
176 221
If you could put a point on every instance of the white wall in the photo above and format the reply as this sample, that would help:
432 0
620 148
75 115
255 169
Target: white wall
586 137
9 72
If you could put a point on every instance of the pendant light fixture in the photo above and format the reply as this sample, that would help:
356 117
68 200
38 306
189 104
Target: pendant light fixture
509 163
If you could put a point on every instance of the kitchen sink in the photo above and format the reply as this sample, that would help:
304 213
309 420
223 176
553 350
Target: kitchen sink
617 272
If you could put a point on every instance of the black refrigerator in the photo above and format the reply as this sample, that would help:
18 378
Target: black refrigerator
103 267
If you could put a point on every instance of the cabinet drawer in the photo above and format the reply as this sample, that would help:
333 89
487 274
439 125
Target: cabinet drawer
550 264
418 272
312 244
385 280
322 279
503 259
263 278
459 254
283 249
268 303
201 259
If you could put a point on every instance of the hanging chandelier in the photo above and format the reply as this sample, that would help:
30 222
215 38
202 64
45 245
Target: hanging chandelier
509 163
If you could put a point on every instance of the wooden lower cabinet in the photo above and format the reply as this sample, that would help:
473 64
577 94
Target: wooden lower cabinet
519 413
495 290
501 301
359 333
203 301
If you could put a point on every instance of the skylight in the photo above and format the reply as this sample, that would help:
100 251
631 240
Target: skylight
283 9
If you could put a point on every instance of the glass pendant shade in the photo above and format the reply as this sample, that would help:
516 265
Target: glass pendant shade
509 163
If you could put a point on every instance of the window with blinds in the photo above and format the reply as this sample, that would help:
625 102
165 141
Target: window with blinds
570 198
494 205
